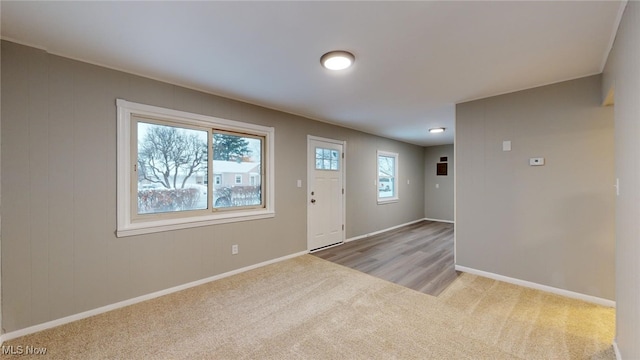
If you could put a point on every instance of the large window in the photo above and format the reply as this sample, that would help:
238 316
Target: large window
178 170
387 176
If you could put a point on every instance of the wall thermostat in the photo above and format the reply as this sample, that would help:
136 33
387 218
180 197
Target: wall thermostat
536 161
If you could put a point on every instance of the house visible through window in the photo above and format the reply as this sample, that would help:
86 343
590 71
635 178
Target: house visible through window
186 170
235 156
387 173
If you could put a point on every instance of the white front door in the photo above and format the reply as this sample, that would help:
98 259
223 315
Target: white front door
325 192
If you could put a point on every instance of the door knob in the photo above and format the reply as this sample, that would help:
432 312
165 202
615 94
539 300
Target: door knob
313 201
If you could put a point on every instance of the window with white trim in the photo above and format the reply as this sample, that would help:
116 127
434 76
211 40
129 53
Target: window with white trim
387 176
166 165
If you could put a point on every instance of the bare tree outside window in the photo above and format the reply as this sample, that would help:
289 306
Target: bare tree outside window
168 159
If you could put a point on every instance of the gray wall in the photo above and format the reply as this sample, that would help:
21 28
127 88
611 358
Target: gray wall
59 252
1 331
623 73
438 202
553 224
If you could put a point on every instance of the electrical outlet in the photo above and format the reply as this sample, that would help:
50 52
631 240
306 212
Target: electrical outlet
234 249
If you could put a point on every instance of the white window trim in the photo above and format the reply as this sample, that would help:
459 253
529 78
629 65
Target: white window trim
125 225
235 180
395 197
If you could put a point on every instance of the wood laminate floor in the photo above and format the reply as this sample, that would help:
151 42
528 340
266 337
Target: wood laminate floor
418 256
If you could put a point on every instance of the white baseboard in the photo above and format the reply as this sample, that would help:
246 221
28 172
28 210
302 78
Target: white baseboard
532 285
616 350
439 220
121 304
381 231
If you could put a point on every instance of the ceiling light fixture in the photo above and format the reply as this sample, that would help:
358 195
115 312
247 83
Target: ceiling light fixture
436 130
337 60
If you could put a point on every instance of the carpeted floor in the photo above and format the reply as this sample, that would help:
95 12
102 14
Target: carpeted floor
309 308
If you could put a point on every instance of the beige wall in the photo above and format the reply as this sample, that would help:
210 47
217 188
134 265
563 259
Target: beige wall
59 252
622 72
438 202
554 224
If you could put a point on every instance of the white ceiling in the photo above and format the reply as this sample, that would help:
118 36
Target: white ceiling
414 60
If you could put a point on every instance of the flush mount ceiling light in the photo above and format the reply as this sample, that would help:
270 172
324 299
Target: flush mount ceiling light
337 60
436 130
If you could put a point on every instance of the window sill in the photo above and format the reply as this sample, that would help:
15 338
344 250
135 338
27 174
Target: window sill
388 201
148 227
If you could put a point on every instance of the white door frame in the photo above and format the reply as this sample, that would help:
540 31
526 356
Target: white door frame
311 168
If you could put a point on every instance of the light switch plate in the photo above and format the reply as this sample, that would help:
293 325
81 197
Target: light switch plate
506 145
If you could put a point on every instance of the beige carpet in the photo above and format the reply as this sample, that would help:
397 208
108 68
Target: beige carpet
309 308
